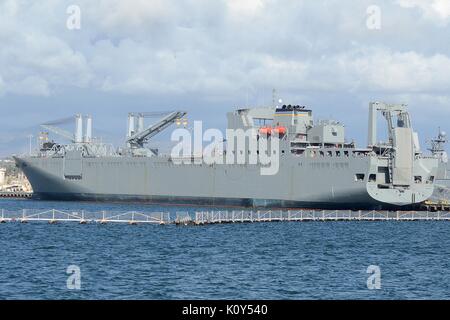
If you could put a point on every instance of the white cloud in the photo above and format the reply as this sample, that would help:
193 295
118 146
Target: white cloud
432 9
2 86
31 85
383 70
219 47
125 16
245 9
35 61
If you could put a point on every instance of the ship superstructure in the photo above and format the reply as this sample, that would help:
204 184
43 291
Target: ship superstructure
437 148
317 166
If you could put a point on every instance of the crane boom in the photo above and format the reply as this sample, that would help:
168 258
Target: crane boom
153 114
138 139
61 132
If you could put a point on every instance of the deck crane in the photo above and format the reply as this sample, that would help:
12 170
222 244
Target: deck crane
137 138
73 138
76 137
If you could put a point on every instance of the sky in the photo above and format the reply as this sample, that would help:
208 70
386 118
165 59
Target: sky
209 57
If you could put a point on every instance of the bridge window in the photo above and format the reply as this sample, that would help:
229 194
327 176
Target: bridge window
372 177
418 179
359 177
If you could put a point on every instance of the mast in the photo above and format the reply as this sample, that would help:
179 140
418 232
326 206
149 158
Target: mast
437 144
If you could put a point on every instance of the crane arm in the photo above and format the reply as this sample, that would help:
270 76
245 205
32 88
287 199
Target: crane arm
140 138
61 132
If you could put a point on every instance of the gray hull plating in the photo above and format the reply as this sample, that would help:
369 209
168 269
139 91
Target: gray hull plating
300 182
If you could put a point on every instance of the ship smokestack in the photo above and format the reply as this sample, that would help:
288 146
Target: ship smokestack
78 128
140 127
88 137
131 123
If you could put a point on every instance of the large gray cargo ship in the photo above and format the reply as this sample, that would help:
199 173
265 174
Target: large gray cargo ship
317 167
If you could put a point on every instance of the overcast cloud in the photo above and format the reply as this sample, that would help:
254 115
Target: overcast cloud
208 56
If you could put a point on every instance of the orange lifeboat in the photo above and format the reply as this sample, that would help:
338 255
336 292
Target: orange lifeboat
265 131
280 130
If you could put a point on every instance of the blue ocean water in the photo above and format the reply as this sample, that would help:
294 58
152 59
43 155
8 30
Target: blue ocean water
288 260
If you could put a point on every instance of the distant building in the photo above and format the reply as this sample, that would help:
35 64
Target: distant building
2 176
12 179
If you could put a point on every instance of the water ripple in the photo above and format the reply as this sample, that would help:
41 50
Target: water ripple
235 261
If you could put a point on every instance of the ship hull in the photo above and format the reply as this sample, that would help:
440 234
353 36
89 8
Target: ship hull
299 183
212 202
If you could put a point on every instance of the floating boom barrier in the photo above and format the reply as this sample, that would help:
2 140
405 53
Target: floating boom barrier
15 194
214 217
